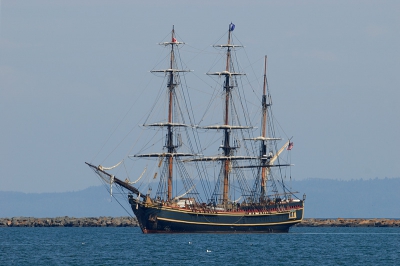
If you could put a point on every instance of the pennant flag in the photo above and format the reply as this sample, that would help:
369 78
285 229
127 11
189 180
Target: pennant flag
231 26
290 146
174 40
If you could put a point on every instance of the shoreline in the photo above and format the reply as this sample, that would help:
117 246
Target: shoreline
127 221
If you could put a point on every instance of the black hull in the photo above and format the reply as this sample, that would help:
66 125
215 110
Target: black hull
162 219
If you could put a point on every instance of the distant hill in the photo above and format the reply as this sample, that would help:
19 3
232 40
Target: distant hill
376 198
90 202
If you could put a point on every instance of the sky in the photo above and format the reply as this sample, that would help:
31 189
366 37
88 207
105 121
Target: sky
71 71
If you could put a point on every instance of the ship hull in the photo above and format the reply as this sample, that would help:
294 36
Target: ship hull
163 219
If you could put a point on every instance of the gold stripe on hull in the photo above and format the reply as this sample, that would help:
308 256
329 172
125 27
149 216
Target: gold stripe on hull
240 214
220 224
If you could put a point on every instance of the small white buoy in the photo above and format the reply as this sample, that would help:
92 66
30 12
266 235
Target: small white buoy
83 243
190 243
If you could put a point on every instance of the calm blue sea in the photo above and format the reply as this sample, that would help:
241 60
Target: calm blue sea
123 246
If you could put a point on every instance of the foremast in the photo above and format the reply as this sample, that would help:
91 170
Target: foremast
170 146
170 142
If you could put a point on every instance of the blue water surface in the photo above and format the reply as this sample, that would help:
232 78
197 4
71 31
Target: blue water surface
128 246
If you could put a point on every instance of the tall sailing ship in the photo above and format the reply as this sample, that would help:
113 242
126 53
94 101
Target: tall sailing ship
241 189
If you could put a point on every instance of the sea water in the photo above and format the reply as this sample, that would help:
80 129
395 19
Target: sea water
128 246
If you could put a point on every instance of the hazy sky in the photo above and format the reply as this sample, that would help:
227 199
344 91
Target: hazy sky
71 70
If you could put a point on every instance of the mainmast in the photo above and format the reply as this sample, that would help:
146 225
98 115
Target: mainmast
227 148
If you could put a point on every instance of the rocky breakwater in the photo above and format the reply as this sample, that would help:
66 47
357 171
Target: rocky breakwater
341 222
132 222
69 222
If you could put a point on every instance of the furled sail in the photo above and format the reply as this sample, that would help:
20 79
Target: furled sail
109 168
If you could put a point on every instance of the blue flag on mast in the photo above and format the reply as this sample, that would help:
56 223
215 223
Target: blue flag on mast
231 26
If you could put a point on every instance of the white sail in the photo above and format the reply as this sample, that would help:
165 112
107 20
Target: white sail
109 168
134 182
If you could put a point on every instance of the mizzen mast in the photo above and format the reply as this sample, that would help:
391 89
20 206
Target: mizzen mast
265 105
